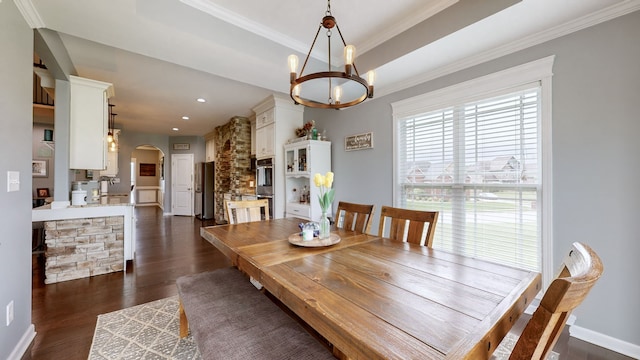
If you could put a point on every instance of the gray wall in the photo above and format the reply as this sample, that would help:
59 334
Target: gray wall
596 89
16 76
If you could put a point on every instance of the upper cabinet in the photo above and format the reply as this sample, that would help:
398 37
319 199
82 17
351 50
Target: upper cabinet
88 123
277 119
210 147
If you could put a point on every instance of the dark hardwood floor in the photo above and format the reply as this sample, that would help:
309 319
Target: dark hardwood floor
167 247
65 314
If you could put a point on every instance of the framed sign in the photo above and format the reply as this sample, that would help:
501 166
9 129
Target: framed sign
358 142
181 146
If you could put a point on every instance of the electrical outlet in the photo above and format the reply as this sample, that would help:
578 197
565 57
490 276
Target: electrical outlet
10 313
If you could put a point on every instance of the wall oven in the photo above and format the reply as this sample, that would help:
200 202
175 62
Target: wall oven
264 181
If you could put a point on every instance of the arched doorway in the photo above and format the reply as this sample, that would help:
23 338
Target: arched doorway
147 176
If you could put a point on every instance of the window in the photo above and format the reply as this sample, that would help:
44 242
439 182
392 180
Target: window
474 152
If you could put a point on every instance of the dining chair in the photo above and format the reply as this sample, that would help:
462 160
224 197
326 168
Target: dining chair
241 211
356 217
580 270
413 226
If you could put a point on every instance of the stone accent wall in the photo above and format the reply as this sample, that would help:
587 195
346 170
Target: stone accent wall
233 161
79 248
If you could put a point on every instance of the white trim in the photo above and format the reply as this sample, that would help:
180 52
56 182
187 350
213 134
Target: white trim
605 341
387 33
22 345
256 28
478 87
611 12
546 151
29 13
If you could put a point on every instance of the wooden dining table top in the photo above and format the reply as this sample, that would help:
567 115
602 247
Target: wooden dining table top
374 298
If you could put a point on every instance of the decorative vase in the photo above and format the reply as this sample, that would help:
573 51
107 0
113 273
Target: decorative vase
325 227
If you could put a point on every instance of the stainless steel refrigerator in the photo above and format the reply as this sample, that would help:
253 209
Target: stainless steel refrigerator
204 186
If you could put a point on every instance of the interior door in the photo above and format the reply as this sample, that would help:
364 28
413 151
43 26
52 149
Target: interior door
182 191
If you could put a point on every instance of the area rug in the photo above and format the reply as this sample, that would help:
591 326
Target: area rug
147 331
150 331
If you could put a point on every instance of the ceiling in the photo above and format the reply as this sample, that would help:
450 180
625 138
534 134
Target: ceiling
161 55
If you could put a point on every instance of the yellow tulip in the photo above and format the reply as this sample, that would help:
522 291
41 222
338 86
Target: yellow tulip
328 180
318 180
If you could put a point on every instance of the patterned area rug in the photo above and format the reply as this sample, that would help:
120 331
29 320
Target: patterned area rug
147 331
150 331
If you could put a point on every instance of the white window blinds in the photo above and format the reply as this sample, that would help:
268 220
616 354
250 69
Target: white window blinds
477 163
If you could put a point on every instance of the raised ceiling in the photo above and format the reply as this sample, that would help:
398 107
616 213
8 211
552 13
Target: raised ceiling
163 54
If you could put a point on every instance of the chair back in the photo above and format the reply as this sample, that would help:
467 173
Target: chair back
356 217
580 270
241 211
414 226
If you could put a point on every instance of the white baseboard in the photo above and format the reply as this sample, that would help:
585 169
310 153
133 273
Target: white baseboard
23 344
605 341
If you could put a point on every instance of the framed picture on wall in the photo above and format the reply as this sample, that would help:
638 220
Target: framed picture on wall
147 169
43 192
39 168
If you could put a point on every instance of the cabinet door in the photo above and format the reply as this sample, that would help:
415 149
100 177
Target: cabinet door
297 160
88 124
210 150
264 141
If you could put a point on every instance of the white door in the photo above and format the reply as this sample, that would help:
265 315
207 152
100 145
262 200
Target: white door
182 184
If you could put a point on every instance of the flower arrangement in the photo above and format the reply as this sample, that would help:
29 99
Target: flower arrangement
326 192
306 129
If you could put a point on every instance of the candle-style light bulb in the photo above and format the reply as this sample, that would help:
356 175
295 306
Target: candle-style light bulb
371 78
110 137
337 94
349 57
293 66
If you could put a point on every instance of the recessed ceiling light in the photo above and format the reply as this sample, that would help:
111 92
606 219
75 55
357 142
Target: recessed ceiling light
201 100
185 118
175 129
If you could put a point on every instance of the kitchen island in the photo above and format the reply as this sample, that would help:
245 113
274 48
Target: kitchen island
87 240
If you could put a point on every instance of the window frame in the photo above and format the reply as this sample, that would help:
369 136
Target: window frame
538 71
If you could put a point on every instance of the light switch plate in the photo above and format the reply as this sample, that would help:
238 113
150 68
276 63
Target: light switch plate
13 181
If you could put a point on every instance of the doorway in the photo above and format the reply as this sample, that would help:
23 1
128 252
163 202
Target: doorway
182 191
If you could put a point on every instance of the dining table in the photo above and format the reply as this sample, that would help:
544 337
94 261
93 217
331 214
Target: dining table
374 298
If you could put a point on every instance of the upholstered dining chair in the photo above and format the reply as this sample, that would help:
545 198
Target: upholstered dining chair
580 270
413 226
241 211
356 217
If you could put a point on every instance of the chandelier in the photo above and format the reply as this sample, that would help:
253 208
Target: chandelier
330 89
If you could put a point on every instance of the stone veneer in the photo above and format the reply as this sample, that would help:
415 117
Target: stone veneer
79 248
233 162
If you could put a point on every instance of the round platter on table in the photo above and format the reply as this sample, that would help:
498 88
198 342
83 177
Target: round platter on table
296 239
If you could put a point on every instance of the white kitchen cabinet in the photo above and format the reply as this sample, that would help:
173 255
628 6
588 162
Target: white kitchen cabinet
304 159
112 158
277 119
210 147
264 141
88 123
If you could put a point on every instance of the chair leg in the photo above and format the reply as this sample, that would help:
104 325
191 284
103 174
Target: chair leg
184 323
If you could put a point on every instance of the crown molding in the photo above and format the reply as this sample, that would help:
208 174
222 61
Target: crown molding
256 28
29 13
569 27
407 23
